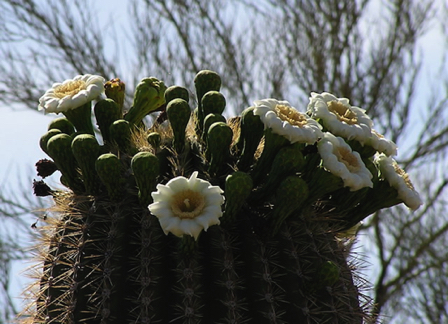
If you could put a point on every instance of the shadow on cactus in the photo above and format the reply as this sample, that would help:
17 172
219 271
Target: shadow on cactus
200 219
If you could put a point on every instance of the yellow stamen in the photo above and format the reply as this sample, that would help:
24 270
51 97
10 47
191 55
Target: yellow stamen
70 88
404 175
342 112
291 115
188 204
345 156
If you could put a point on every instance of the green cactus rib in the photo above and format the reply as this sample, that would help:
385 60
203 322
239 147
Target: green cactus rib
131 270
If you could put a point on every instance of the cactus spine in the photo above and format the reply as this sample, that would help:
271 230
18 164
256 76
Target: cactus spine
196 225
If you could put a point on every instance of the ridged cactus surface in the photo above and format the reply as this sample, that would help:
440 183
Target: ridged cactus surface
203 219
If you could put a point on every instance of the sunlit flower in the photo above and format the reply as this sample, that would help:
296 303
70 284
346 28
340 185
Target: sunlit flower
72 93
285 120
338 158
187 206
398 179
339 117
381 144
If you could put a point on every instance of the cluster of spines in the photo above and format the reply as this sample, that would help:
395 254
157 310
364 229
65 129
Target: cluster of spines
271 278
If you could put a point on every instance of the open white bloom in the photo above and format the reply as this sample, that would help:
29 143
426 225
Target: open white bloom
338 158
72 93
187 206
339 117
398 179
381 144
285 120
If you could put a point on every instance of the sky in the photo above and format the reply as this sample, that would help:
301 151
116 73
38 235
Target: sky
20 129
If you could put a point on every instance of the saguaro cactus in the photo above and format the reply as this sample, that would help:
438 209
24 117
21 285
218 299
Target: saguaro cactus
201 220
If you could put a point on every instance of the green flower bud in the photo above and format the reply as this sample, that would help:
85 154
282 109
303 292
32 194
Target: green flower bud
204 82
110 171
365 151
81 118
63 124
218 146
250 135
86 149
237 188
154 140
211 119
178 112
121 134
290 195
272 144
45 138
106 112
115 89
289 160
321 183
59 149
213 102
174 92
145 167
149 95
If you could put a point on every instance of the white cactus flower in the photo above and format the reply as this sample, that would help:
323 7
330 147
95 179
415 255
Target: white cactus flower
338 158
72 93
398 179
339 117
187 206
382 144
285 120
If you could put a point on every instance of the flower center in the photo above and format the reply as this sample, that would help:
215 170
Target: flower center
345 156
342 112
404 175
70 88
291 115
188 204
